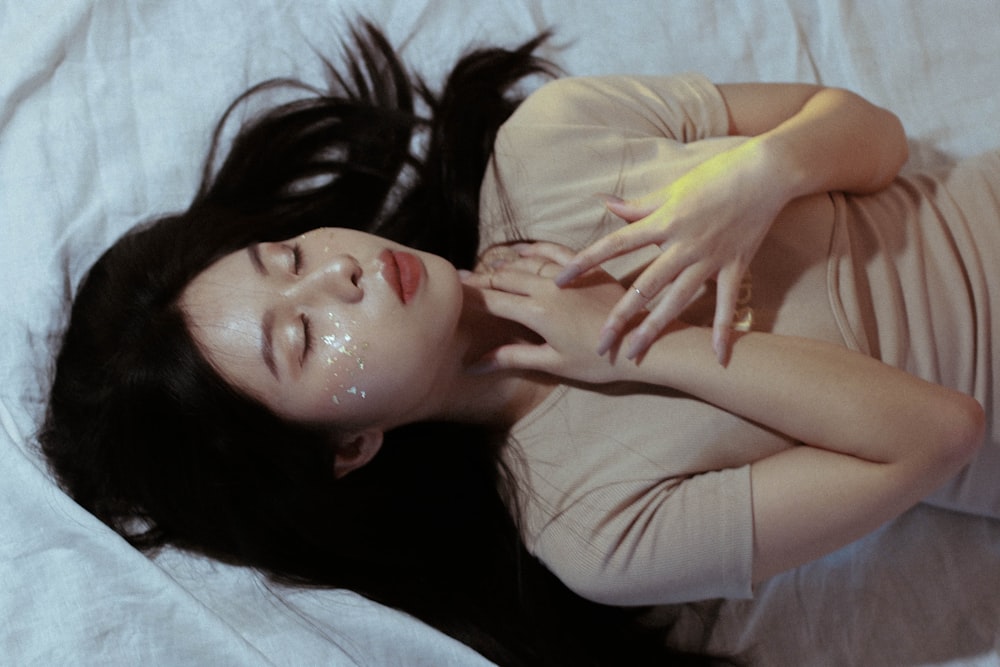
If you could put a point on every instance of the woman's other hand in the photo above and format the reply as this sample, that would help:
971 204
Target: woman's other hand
805 139
708 224
519 286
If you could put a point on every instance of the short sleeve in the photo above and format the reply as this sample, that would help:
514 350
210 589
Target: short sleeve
675 540
684 108
577 137
639 498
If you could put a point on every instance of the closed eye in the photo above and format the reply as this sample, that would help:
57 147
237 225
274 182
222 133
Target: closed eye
296 258
307 338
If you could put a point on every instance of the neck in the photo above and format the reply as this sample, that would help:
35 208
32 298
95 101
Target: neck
497 398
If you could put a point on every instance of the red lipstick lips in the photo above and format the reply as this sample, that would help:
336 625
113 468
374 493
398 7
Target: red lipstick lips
403 272
410 274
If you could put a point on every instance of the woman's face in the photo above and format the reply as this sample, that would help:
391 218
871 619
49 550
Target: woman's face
334 328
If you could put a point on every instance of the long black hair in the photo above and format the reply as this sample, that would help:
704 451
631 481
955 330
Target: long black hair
142 432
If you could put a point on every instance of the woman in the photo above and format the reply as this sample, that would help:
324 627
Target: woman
145 434
334 406
902 276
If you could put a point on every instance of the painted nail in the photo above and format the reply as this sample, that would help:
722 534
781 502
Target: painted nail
720 344
569 272
607 338
636 344
608 198
484 366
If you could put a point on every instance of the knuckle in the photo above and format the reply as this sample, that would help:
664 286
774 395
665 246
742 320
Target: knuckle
617 244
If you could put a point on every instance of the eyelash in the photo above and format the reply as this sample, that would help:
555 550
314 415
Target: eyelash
306 337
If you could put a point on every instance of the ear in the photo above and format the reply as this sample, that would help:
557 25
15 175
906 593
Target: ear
356 450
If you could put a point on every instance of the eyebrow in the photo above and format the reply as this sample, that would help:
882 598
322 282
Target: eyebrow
267 321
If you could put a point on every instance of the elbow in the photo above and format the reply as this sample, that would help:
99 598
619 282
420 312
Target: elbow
895 150
976 431
965 425
886 147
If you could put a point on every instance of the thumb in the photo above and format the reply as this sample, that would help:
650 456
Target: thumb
629 211
515 356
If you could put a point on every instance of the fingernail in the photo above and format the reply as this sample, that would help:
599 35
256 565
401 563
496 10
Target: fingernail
720 344
608 198
567 275
636 344
464 275
484 366
606 340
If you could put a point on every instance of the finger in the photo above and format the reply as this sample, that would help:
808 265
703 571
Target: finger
614 244
512 280
509 300
677 297
533 265
631 211
632 303
665 269
554 252
476 279
523 356
727 295
657 276
496 256
539 266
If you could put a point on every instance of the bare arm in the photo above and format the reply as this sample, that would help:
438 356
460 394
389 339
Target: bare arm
876 439
822 139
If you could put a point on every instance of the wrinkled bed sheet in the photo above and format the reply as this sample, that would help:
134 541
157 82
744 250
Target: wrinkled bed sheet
105 113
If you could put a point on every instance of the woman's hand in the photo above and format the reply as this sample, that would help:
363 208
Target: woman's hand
519 287
709 224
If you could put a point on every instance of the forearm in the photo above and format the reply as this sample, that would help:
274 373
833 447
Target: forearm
818 139
816 392
878 439
837 141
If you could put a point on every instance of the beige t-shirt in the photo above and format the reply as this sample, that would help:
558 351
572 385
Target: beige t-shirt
638 497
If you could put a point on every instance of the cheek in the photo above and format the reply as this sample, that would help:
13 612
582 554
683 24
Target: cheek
376 381
344 361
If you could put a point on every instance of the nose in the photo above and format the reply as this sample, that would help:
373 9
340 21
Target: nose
339 276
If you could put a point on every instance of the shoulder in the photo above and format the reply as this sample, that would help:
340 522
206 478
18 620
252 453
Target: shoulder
658 511
662 105
575 137
641 542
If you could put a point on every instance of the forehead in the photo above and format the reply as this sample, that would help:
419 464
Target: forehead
224 306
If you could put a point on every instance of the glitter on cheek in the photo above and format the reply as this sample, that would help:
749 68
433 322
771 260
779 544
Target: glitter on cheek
361 361
343 345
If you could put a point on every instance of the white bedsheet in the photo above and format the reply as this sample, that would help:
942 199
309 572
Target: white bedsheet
105 112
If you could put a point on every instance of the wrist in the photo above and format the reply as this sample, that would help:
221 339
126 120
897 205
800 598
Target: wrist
782 165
